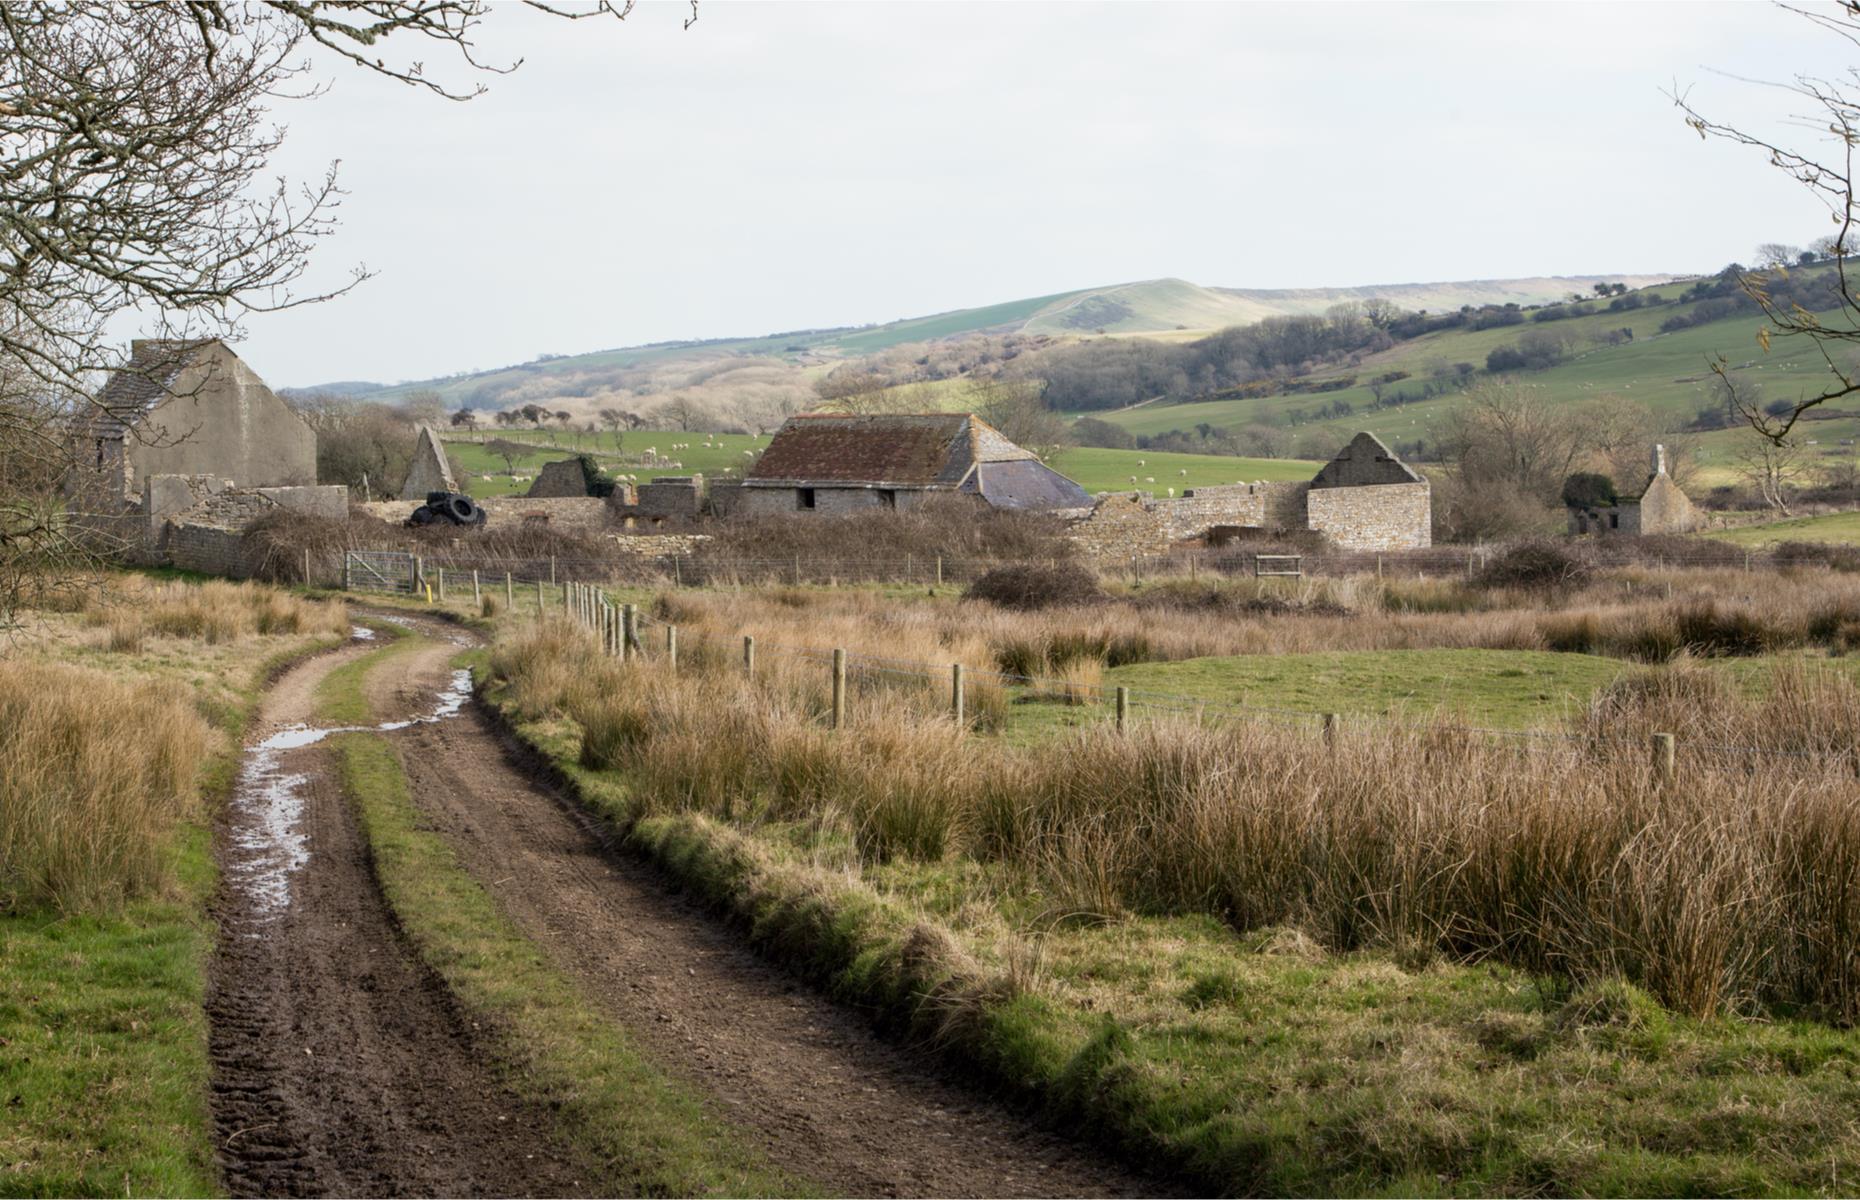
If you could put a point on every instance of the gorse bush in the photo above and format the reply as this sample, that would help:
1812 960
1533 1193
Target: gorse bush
1738 889
96 772
1534 565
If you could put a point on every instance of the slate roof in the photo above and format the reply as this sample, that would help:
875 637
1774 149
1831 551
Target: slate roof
1026 483
923 450
141 384
1365 462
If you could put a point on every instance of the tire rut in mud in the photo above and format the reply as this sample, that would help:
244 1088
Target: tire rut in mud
340 1064
823 1095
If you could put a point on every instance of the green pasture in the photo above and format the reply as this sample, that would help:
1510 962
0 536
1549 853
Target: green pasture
1095 470
1830 527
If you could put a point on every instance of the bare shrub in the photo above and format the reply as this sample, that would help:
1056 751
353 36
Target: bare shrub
1534 565
1030 586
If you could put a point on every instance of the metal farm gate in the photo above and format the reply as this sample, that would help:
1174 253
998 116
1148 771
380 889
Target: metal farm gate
380 571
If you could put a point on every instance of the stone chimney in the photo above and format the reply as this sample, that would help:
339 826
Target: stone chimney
1659 460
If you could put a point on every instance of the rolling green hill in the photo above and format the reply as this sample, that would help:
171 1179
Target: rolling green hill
1669 373
1168 307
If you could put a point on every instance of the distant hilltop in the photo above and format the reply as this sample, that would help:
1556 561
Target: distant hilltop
1150 307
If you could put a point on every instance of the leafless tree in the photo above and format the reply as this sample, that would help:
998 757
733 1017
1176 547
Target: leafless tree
1831 110
1016 409
1774 468
507 450
464 418
613 418
683 412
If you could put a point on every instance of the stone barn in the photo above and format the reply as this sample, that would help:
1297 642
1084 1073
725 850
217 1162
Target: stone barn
188 408
1659 507
1364 499
829 464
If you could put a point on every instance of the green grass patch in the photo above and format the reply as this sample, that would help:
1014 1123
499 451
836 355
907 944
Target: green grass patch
1111 470
1507 688
1830 527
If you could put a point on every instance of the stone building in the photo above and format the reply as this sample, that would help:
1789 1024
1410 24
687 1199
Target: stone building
1659 507
1364 499
187 408
827 463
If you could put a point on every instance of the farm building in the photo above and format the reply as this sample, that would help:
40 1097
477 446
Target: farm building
1364 499
825 463
188 408
1659 507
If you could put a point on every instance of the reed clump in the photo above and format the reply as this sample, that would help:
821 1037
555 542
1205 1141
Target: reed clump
96 774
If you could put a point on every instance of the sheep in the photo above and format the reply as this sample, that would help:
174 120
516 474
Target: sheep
1133 479
1149 479
1185 472
1140 462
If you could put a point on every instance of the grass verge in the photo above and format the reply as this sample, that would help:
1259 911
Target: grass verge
103 1032
1263 1062
643 1133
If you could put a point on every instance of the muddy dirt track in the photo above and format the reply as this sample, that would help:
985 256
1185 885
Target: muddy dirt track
340 1065
808 1083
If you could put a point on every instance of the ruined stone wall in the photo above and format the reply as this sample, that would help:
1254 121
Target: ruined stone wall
1130 524
1663 508
1391 516
209 549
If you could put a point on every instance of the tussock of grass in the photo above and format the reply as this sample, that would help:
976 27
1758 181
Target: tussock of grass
135 607
96 775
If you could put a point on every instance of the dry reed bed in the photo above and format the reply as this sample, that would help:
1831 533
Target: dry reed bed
1646 616
1734 889
95 774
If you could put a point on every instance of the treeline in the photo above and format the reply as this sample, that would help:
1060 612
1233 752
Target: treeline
1097 375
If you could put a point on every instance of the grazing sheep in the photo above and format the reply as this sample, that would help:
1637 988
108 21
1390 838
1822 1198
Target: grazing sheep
1172 493
1133 479
1185 472
1149 479
1140 462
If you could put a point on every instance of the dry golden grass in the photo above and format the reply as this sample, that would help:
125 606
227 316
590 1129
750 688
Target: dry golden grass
1735 889
134 607
95 774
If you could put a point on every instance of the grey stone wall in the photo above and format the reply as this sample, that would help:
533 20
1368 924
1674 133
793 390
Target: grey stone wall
1390 516
578 514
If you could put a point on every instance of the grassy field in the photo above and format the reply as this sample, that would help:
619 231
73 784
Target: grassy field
1829 527
1095 470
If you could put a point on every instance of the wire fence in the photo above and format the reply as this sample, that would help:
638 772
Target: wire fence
713 568
620 630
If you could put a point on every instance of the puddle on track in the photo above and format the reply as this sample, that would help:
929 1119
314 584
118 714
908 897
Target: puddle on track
268 842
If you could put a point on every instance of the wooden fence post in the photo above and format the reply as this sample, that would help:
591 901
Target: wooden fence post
671 647
442 585
510 592
346 559
306 566
1123 707
1330 732
939 570
629 632
839 688
1664 763
749 655
477 593
541 607
552 570
955 693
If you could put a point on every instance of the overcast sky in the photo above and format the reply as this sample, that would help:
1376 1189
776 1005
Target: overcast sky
781 166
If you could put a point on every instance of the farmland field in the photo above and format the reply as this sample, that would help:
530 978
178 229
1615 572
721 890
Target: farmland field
1095 470
1830 527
